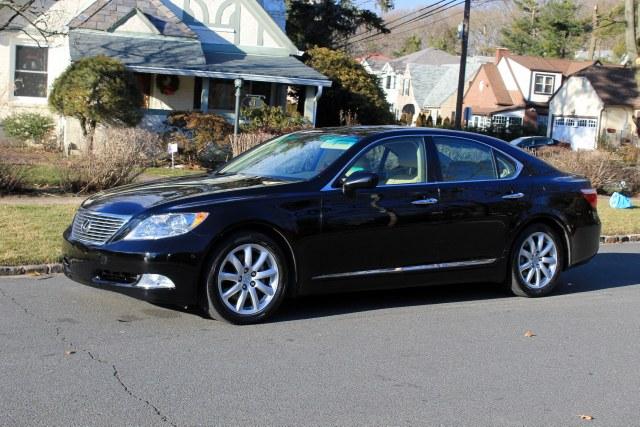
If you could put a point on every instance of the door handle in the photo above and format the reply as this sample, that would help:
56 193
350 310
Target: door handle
430 201
513 196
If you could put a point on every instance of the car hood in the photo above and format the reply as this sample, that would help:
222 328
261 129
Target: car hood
133 199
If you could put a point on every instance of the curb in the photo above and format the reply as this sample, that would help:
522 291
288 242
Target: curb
31 269
620 238
57 267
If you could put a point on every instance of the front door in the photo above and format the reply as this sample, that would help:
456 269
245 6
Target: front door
385 227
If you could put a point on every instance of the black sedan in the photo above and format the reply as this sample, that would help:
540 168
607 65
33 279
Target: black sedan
337 210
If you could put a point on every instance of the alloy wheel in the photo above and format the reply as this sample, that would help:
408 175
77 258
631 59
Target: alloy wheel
538 260
248 279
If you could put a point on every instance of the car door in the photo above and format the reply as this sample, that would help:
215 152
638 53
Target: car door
385 227
480 198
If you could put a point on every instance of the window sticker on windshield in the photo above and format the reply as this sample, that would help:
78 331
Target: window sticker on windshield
337 142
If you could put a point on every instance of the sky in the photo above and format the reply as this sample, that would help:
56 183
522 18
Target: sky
399 4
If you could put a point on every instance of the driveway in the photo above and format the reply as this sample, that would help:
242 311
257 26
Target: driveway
456 355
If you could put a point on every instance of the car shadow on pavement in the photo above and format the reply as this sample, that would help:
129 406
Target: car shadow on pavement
605 271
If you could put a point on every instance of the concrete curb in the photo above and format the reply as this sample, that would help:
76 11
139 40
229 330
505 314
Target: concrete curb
57 268
30 269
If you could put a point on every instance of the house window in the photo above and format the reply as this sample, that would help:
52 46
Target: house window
570 122
30 78
593 123
221 95
582 123
560 121
405 87
500 120
393 84
544 84
388 85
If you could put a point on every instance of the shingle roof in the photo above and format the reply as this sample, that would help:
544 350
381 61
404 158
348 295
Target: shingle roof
189 57
104 14
428 56
433 84
497 84
614 85
565 66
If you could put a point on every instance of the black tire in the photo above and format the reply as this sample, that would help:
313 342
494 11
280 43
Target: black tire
215 305
517 280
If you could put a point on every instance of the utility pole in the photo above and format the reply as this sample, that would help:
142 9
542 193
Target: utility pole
463 63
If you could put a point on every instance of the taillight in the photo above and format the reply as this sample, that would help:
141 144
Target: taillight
590 196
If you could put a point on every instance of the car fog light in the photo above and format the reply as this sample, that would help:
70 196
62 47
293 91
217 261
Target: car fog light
155 281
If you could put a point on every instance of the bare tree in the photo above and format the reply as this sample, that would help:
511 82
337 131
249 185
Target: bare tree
630 30
29 17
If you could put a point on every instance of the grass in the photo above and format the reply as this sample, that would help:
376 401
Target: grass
619 221
168 172
43 175
32 234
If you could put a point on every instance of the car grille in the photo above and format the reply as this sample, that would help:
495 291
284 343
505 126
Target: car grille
96 228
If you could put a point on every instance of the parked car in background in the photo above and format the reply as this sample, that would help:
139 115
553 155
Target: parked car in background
338 210
537 142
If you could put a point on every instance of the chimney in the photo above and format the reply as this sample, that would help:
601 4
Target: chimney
501 52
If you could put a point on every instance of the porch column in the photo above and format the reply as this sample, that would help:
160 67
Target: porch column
312 95
204 95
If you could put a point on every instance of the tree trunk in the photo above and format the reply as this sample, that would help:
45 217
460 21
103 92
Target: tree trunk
594 25
630 30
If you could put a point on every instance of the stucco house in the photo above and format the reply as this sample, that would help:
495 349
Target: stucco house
600 101
186 54
517 89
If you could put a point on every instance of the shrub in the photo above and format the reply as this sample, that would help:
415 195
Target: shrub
28 126
97 90
12 177
201 137
117 160
246 141
600 167
274 119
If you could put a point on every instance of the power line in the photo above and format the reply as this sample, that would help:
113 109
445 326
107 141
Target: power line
432 12
419 18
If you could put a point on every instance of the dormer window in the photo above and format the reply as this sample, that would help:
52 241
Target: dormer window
544 84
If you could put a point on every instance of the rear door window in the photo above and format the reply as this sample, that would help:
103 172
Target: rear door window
464 160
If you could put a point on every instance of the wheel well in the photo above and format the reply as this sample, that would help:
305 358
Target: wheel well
267 230
555 226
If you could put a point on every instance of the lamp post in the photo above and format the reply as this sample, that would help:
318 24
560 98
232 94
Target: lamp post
238 85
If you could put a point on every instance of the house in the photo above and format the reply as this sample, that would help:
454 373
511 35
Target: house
600 101
378 65
186 55
517 90
428 89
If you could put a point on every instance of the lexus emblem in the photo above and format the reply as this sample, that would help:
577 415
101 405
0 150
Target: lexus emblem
86 225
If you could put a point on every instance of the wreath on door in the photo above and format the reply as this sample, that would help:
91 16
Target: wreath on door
168 85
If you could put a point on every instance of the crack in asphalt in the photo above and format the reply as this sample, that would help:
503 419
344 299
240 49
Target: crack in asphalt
92 356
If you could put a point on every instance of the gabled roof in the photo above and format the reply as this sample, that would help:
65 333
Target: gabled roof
103 15
497 84
614 85
554 65
433 84
428 56
375 60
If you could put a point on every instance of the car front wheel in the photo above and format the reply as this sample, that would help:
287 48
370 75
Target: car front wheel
247 279
536 262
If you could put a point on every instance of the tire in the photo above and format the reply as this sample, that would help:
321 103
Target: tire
242 292
535 271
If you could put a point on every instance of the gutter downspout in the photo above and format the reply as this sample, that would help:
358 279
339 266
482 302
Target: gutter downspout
315 104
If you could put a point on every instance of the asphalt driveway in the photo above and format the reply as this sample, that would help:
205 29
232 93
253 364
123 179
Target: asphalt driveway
456 355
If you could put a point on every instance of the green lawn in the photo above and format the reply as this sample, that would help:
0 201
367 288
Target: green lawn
168 172
31 233
619 221
43 175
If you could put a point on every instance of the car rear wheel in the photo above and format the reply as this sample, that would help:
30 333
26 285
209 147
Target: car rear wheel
247 279
536 261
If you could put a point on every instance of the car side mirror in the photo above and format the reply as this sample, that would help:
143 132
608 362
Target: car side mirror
359 180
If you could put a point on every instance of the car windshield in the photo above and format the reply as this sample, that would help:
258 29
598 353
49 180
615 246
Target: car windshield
293 157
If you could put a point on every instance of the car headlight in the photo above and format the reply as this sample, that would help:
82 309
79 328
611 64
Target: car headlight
166 225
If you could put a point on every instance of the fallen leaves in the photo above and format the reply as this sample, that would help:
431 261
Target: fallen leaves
586 417
529 333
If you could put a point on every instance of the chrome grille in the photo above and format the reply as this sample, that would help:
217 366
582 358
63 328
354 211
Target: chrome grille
96 228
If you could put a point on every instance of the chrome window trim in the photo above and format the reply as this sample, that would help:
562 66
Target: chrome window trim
519 165
409 269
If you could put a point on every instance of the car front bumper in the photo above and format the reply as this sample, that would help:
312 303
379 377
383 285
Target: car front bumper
157 277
